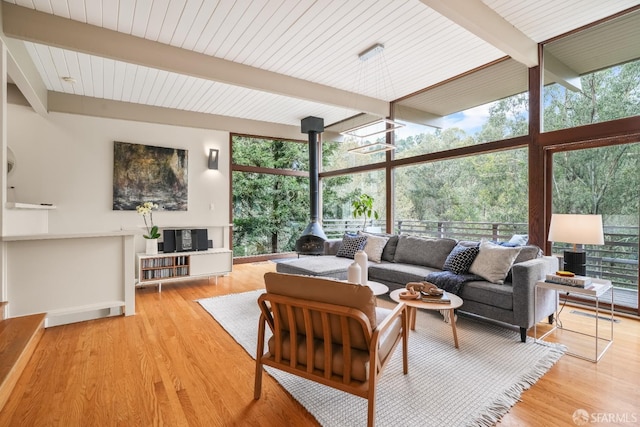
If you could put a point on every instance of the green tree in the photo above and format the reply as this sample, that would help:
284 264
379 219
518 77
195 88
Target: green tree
269 210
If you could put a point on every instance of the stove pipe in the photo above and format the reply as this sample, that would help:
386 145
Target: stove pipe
313 126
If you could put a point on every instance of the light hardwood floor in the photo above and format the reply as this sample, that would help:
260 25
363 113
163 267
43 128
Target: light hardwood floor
172 364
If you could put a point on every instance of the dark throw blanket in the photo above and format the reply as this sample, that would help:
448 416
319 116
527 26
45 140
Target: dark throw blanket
449 281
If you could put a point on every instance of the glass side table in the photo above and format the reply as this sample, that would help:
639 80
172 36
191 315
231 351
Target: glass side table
598 288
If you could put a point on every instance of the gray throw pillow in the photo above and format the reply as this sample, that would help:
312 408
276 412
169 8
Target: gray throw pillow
493 262
527 253
389 251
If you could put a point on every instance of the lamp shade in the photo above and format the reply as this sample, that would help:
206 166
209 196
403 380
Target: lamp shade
576 229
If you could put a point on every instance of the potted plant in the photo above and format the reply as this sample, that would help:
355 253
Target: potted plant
146 209
363 207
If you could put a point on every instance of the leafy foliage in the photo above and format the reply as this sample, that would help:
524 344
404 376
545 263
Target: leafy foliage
363 207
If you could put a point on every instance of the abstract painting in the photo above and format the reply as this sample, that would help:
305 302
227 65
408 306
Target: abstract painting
143 173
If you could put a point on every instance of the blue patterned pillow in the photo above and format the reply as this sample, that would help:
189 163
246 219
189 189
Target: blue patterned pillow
460 259
351 245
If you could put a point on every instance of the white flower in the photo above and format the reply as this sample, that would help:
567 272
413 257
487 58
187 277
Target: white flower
147 209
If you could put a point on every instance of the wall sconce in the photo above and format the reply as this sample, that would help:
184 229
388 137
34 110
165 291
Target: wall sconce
213 159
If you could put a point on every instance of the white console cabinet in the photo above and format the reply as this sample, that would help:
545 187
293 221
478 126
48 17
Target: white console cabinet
168 267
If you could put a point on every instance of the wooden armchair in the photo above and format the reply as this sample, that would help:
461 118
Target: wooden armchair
330 332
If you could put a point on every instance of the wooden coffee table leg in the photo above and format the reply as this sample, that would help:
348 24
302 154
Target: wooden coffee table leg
452 317
412 317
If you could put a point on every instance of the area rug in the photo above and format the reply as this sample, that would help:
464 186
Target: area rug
474 385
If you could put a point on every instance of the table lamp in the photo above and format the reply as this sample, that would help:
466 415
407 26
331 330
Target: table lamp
578 230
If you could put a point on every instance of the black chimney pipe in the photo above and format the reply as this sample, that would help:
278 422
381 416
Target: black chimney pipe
313 126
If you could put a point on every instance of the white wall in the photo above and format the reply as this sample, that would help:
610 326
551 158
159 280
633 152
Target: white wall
67 160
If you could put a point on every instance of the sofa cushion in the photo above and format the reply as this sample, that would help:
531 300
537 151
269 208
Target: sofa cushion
423 251
391 272
486 293
351 245
494 262
460 258
324 266
374 246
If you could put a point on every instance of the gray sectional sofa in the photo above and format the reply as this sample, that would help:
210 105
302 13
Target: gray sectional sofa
487 290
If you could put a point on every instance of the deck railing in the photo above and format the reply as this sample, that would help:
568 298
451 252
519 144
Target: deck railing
616 260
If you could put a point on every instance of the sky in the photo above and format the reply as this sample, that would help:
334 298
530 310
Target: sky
470 121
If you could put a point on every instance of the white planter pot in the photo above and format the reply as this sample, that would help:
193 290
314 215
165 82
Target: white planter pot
152 246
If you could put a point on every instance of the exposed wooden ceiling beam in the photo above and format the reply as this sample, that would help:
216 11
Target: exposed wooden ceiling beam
26 77
27 24
413 115
561 73
484 22
23 72
97 107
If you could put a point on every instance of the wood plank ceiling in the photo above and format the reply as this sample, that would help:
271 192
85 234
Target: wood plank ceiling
308 50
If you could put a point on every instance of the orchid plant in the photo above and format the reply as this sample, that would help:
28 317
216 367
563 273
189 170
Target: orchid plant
146 209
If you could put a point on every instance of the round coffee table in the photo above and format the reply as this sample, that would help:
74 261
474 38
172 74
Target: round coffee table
448 309
378 288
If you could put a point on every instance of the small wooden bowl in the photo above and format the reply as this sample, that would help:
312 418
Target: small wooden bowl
409 295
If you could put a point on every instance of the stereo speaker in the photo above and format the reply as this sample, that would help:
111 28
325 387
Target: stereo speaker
201 239
169 241
185 240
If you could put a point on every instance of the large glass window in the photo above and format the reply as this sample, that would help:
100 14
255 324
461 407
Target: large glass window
338 194
336 154
269 212
604 181
609 94
593 76
490 104
484 196
270 153
271 202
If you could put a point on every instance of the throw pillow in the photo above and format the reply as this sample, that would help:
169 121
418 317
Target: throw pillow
351 245
389 252
519 239
493 262
374 246
460 259
527 253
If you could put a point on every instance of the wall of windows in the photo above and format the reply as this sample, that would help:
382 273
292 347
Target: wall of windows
466 167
